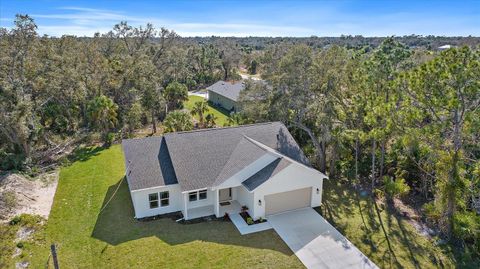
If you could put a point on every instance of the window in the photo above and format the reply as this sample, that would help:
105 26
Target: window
202 195
192 196
164 198
153 199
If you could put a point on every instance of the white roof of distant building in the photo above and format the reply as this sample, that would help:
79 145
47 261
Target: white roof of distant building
445 47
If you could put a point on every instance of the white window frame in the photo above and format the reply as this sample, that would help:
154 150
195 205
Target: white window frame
153 200
190 196
164 199
197 196
200 192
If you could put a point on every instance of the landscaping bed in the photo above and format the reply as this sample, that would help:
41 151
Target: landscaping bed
249 220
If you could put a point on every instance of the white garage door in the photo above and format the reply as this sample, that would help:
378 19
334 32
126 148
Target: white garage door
289 200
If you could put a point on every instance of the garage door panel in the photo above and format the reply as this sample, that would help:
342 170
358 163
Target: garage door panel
290 200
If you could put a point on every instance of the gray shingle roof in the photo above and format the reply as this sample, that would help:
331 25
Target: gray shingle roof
230 90
244 154
265 173
203 158
150 163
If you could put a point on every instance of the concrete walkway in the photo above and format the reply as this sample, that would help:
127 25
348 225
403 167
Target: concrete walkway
317 243
199 93
233 209
244 228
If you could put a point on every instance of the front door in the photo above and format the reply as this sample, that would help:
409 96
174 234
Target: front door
225 194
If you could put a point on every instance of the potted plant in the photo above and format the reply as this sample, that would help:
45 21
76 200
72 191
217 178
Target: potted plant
244 208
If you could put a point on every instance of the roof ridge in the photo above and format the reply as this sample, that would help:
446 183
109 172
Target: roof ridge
146 137
226 162
274 151
222 128
231 156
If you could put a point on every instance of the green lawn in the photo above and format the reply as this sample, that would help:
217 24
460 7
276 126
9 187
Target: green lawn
113 239
357 219
221 114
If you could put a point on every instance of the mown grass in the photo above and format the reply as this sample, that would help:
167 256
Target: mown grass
385 236
88 238
221 114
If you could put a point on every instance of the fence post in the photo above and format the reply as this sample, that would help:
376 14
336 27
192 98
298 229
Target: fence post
54 256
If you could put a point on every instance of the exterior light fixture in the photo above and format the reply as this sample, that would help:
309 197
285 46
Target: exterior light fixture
318 191
260 202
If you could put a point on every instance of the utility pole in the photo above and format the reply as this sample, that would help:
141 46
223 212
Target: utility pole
54 256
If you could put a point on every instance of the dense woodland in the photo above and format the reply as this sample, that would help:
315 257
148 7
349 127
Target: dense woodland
348 41
393 116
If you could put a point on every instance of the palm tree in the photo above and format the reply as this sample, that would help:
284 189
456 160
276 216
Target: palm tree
176 121
211 120
102 113
199 108
234 119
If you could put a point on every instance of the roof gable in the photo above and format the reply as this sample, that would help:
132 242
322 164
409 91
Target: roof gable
265 173
244 154
204 157
148 162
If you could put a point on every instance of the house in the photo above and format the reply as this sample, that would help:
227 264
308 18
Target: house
210 171
225 94
444 47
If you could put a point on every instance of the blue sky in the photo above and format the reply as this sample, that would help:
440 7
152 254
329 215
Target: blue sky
253 18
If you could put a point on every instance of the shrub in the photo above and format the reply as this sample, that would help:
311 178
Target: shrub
109 139
15 220
395 188
177 121
433 215
466 226
26 220
250 221
9 199
11 161
20 245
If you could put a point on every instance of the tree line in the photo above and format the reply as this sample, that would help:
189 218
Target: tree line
386 118
55 88
391 120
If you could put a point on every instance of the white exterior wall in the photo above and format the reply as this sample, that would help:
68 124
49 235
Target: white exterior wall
235 193
293 177
209 201
141 204
245 198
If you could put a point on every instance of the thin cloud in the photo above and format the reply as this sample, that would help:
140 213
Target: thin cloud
87 21
332 21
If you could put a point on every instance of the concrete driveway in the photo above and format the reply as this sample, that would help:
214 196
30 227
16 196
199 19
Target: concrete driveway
315 242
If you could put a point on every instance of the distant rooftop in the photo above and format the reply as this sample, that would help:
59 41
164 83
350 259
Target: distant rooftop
230 90
445 47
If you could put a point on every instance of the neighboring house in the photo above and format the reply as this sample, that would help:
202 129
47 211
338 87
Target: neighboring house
205 172
225 94
445 47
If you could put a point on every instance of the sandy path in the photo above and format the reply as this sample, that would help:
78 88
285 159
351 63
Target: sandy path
33 196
